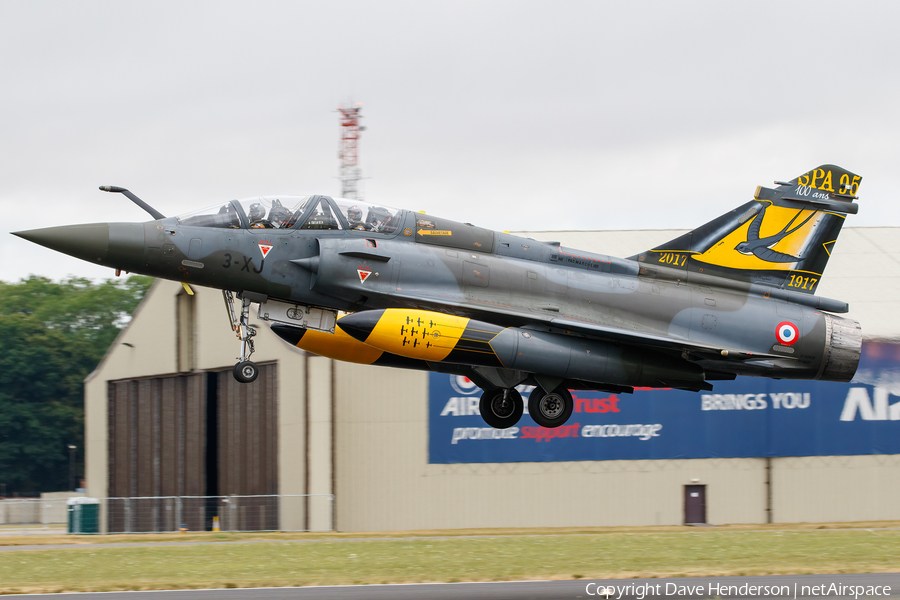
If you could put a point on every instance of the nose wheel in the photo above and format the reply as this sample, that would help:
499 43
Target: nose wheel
501 409
245 371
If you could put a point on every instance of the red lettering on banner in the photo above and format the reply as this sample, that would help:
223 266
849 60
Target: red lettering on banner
545 434
597 405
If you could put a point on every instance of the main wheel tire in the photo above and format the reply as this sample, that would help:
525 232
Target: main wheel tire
245 372
550 409
501 409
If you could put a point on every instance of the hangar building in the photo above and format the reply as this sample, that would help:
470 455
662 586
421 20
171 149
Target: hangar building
326 445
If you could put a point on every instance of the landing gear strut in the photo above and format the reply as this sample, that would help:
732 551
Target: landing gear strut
501 408
245 371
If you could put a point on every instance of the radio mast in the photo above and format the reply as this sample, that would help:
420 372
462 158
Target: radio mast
348 151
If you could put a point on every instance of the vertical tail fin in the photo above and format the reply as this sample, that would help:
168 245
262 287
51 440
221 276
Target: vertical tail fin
783 237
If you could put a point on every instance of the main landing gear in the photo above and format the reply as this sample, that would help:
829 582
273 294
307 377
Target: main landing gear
245 371
550 409
502 408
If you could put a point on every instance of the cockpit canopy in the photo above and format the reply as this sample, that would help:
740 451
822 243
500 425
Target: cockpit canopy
363 216
297 212
273 213
261 212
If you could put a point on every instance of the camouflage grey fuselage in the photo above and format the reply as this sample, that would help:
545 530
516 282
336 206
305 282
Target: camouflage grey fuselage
733 297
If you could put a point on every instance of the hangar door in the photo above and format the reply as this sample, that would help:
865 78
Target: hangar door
186 448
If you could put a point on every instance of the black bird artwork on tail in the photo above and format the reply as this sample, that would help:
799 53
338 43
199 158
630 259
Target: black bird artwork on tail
762 248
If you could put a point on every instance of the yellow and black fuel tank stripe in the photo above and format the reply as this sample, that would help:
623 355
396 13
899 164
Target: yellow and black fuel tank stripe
474 345
424 335
341 346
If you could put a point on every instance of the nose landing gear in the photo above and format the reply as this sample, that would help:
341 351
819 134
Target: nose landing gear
245 371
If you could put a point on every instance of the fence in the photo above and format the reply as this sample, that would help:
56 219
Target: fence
32 515
162 514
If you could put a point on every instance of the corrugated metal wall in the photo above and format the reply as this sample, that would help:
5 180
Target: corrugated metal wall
193 435
248 449
157 447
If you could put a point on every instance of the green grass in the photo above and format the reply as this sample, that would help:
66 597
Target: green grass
614 554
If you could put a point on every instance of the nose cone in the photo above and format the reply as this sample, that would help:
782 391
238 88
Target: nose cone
88 242
292 335
361 324
118 245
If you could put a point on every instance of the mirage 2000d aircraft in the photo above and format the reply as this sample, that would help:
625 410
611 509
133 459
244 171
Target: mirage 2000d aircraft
369 284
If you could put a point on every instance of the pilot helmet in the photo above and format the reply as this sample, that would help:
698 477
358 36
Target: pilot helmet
354 213
257 212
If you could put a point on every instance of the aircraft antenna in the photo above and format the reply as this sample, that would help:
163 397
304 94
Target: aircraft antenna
348 151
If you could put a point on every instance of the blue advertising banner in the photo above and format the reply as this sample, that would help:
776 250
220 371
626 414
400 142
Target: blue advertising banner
747 417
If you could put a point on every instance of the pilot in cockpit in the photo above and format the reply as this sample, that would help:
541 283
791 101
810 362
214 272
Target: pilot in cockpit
257 216
279 215
378 219
354 215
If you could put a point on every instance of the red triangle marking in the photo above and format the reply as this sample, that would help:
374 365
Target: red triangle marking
264 248
363 275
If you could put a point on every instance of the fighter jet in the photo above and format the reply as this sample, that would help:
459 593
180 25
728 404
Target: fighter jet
365 283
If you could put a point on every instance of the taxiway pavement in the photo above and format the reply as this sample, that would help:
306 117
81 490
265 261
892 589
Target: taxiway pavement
540 590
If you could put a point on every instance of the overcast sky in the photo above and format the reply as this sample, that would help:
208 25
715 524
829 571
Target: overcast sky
511 115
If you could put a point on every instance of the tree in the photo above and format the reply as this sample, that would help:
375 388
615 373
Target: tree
54 335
